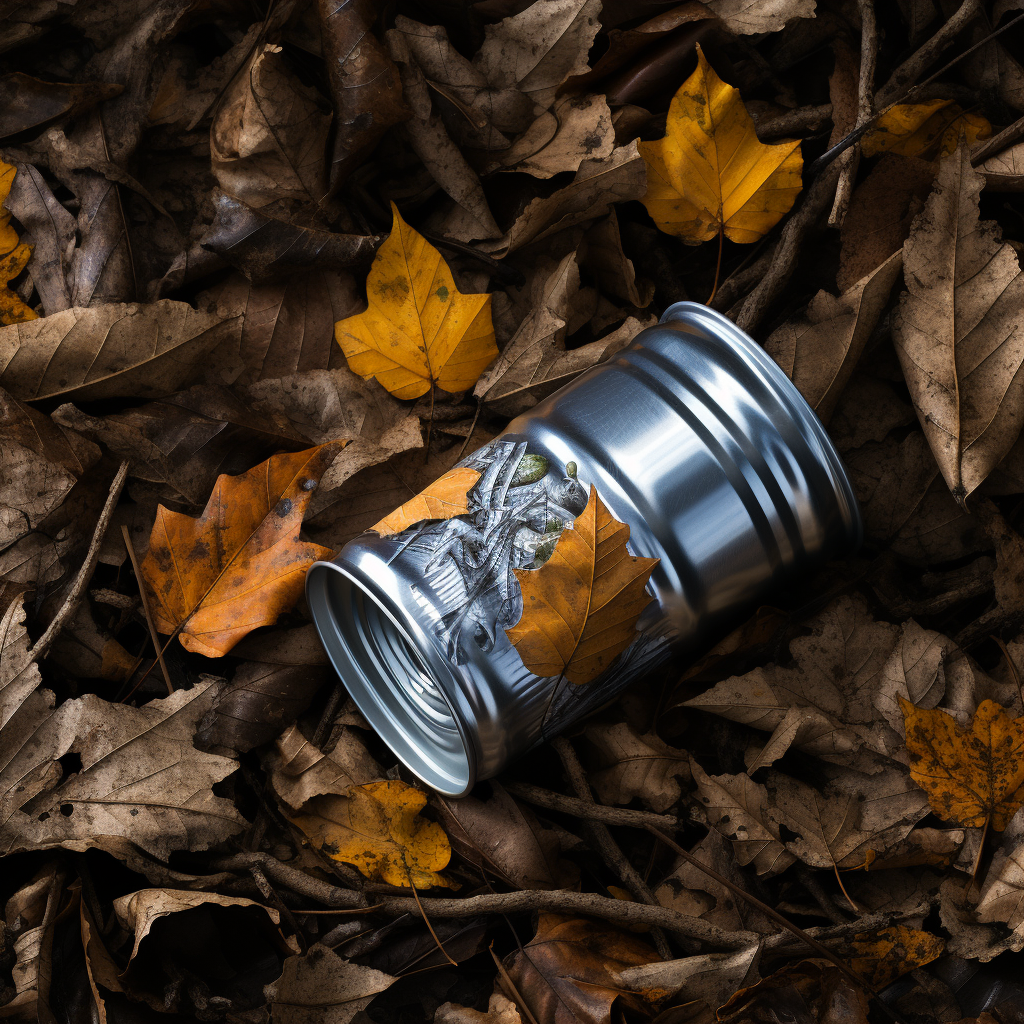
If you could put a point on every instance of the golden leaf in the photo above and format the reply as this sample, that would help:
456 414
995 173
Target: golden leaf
883 956
377 829
418 329
971 776
14 255
926 130
711 172
240 564
580 607
446 497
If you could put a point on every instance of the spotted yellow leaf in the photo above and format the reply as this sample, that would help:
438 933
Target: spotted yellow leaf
377 829
418 329
14 255
926 130
711 173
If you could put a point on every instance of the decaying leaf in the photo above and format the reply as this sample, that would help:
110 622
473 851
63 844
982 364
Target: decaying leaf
816 989
446 497
711 173
926 130
320 987
141 783
14 255
883 956
957 333
581 606
122 350
419 330
974 776
636 767
711 977
569 970
752 16
240 564
378 829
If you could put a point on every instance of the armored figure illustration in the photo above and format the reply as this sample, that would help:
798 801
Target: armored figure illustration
517 511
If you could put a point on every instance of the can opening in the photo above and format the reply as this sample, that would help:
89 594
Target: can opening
389 678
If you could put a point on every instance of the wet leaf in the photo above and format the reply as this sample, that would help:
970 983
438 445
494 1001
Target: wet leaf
240 564
711 173
446 497
419 330
569 970
926 130
378 829
957 333
14 256
973 776
581 606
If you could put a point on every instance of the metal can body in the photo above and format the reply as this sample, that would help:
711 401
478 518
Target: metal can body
693 437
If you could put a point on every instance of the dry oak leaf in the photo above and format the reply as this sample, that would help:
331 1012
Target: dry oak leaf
377 829
972 777
581 606
958 331
240 564
883 956
446 497
711 173
418 330
924 130
14 255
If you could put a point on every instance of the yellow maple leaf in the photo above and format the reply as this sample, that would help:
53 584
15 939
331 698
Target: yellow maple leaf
418 329
711 173
580 607
14 255
972 776
377 829
240 564
446 497
927 130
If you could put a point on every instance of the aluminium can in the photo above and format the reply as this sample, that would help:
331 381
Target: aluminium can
693 438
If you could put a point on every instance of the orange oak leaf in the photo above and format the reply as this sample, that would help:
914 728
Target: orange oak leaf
418 329
240 564
446 497
971 776
14 255
580 607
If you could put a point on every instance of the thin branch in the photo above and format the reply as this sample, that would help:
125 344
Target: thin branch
587 809
291 878
145 608
67 609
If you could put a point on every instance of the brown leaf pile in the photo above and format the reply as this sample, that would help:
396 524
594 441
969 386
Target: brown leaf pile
267 273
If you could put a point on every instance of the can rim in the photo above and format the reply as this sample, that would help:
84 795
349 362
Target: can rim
369 687
718 327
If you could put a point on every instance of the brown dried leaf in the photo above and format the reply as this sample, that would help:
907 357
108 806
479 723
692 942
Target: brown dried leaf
812 991
636 767
27 102
114 351
750 17
711 977
956 331
163 785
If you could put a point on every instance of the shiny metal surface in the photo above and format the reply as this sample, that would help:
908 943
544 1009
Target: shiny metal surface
693 437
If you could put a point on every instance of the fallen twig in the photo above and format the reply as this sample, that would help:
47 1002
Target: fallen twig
588 809
67 609
145 608
291 878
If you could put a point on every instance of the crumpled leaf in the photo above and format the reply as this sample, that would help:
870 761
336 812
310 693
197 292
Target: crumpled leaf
581 606
240 564
974 776
419 330
813 992
926 130
19 673
121 350
711 173
268 139
712 977
504 838
738 807
14 255
1002 893
957 333
141 783
364 83
378 829
820 352
319 987
636 766
750 17
883 956
446 497
568 972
